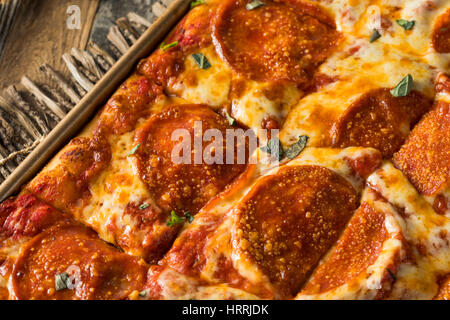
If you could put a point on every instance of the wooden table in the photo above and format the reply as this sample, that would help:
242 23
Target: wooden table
40 35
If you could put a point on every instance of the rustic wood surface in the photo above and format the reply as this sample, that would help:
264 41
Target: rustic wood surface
110 10
83 111
40 35
29 110
8 10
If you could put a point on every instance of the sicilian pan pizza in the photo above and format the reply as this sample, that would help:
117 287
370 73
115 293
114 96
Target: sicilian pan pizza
284 149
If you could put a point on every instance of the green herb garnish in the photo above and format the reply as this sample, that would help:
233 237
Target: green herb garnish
405 24
201 61
197 3
144 206
61 281
375 36
297 147
254 4
134 150
404 87
189 217
275 148
230 119
143 293
392 274
165 47
175 219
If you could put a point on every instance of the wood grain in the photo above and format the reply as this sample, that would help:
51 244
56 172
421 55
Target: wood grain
40 35
84 111
8 11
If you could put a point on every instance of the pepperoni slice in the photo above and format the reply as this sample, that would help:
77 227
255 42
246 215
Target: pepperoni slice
441 33
98 271
444 290
281 40
359 247
289 220
379 120
184 186
425 157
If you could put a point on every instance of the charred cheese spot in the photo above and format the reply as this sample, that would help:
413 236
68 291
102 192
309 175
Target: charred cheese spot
379 120
209 86
286 235
185 186
104 272
282 40
441 204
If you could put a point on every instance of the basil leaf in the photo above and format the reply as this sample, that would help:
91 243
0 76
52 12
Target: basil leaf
175 219
230 119
201 61
197 3
143 293
404 87
134 150
189 217
165 47
407 25
274 148
297 147
254 4
144 206
375 36
61 281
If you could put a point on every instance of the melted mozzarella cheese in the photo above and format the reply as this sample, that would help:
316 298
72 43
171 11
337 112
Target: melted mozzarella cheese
204 86
358 66
176 286
427 232
373 66
253 106
213 87
117 186
221 243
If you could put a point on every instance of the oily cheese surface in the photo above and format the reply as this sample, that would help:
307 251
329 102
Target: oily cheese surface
355 94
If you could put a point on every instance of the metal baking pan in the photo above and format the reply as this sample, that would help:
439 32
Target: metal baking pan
83 112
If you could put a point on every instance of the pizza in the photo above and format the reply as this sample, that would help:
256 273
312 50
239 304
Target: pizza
334 120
